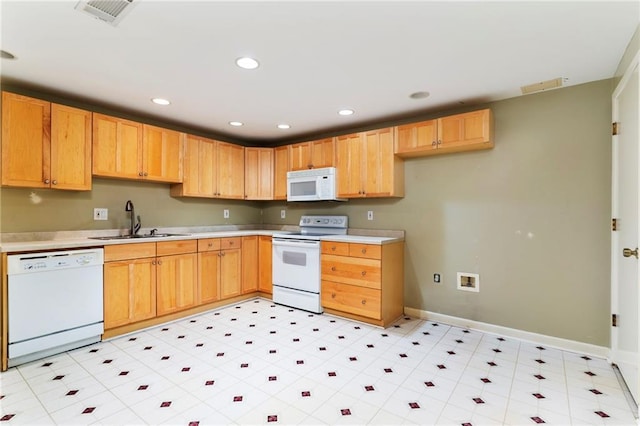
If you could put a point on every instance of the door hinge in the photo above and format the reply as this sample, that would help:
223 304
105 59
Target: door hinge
614 224
614 320
614 128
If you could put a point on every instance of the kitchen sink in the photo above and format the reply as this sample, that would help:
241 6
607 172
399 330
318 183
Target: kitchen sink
136 236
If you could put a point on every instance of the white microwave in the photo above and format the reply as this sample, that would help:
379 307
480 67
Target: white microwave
312 185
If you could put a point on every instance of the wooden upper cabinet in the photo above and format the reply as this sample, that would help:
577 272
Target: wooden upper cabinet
471 130
455 133
313 154
258 173
212 169
200 164
117 147
161 154
45 145
230 167
367 167
280 169
416 137
126 149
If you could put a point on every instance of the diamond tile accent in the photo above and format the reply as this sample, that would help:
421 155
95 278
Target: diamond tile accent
58 378
272 418
143 387
47 364
478 400
590 373
388 370
537 420
209 382
165 404
538 395
492 364
414 405
602 414
306 394
429 384
331 374
539 361
72 392
442 366
89 410
485 380
7 417
345 412
595 391
369 388
539 377
237 398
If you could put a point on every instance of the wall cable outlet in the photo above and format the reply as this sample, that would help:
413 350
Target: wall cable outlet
100 214
283 214
370 215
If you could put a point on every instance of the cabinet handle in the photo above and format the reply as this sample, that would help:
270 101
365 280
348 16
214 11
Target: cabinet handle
140 174
364 251
54 182
333 295
46 181
364 302
210 244
433 144
333 268
230 243
153 262
309 166
221 253
159 262
364 273
333 248
145 173
439 142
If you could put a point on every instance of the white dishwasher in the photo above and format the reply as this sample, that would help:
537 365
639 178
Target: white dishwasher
54 302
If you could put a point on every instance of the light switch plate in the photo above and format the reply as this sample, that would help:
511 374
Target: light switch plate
100 214
225 213
370 215
283 214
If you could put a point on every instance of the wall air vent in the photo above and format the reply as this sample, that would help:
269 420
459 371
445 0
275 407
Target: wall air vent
543 85
109 11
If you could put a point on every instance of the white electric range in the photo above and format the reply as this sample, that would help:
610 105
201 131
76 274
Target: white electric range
296 261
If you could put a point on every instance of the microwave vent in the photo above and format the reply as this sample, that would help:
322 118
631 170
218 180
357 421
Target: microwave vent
109 11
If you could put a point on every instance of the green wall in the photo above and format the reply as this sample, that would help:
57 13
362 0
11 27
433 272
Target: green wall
530 216
53 210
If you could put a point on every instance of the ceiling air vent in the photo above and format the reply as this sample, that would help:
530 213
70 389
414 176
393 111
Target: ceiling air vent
543 85
109 11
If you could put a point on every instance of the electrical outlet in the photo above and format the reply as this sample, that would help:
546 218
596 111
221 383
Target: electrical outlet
225 213
370 215
100 214
436 278
283 214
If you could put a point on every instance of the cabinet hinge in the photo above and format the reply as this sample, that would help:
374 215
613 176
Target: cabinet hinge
614 320
614 128
614 224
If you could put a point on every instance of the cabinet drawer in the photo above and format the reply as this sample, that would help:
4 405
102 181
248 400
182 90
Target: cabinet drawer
329 247
352 299
129 251
369 251
230 243
351 270
209 244
176 247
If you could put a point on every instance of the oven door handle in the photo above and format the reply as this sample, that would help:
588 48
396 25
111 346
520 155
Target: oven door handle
288 242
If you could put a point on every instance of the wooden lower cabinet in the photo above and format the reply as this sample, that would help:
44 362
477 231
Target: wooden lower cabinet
219 269
363 281
176 282
129 291
265 254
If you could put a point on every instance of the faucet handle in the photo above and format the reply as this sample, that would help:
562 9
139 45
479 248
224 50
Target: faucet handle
153 231
137 226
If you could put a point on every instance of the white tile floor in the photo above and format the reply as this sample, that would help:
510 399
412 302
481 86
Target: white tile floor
256 362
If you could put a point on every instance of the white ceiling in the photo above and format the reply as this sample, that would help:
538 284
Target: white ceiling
316 57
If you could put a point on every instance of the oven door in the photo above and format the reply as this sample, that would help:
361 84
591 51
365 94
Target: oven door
296 264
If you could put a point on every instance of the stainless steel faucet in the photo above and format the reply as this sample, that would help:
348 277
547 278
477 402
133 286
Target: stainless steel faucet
134 227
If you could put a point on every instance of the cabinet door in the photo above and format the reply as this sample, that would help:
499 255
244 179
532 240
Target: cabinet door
323 153
258 173
280 169
300 156
379 163
26 127
70 148
230 273
162 154
200 162
349 167
129 292
265 280
230 171
176 282
416 137
249 264
117 147
208 276
464 129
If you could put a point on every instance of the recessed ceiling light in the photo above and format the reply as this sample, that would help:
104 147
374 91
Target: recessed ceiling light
419 95
160 101
247 63
284 126
6 55
236 123
346 112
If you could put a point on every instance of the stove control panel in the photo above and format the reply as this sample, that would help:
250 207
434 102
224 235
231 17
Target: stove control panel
324 222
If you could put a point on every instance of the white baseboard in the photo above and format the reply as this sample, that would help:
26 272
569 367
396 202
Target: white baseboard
550 341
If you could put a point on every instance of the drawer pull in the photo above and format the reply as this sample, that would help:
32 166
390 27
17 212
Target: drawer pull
333 295
333 248
364 251
364 273
364 301
230 243
333 268
210 244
